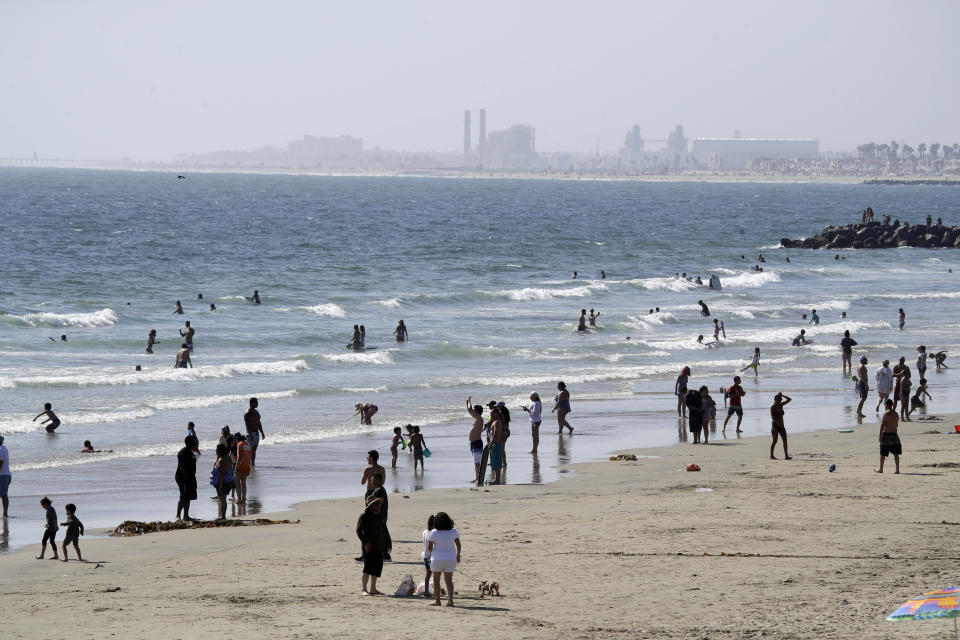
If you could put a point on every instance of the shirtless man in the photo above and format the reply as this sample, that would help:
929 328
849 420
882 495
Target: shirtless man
900 370
251 419
372 468
178 311
889 440
183 358
151 340
187 333
582 322
475 436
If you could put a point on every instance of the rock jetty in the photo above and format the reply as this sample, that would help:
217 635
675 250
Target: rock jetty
876 235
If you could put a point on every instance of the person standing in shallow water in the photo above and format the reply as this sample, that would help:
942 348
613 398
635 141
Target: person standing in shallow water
151 340
186 476
582 322
251 419
561 407
846 346
889 440
902 319
178 310
400 332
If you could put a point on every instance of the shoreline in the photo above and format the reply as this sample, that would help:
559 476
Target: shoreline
742 542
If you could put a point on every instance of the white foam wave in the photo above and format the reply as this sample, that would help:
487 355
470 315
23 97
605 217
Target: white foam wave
86 378
366 357
663 284
102 318
750 280
392 303
380 389
329 310
173 404
536 293
916 296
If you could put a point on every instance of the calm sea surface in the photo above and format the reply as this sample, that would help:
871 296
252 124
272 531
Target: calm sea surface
480 271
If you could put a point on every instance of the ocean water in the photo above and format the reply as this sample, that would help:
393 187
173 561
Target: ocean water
480 271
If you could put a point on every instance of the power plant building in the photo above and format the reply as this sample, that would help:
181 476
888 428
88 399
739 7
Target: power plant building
741 152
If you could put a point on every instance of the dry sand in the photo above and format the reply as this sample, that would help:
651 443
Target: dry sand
622 549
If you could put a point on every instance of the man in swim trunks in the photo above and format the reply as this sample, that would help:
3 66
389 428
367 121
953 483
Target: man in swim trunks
863 386
475 436
187 333
251 419
186 476
889 440
582 322
735 394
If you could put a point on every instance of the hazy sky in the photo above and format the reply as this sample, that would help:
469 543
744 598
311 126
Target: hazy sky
149 80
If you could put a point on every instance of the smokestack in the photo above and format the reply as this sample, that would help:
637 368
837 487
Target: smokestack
466 138
483 130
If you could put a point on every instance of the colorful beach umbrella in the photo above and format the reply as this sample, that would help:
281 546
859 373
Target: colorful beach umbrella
944 603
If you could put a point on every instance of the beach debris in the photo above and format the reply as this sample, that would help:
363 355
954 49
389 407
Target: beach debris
702 490
832 468
111 590
407 586
693 467
136 528
624 456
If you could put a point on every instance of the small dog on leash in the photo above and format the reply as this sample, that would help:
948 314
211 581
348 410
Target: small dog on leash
490 588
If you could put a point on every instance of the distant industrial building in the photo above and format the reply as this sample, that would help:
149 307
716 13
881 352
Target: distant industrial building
730 153
313 149
513 148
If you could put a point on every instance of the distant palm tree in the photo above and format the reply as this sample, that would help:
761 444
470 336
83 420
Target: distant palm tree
934 149
893 149
922 149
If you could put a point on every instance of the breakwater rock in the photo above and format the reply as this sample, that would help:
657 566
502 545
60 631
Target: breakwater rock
876 235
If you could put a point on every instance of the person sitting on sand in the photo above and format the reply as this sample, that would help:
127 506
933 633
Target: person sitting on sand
778 429
889 440
366 412
375 541
52 421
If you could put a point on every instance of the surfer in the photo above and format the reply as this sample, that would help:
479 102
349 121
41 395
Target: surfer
574 275
365 411
846 345
178 311
704 310
582 322
593 318
200 296
603 274
717 328
52 421
187 334
151 340
562 407
400 332
213 307
183 358
255 298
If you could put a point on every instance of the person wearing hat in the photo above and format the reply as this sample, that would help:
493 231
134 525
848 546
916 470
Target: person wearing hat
5 476
375 538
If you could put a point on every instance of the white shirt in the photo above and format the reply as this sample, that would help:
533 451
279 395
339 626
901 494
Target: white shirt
426 544
443 547
535 411
884 379
922 361
4 461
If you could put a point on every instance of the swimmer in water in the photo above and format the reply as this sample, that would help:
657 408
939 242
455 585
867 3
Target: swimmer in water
199 297
582 322
363 336
355 341
574 275
716 330
52 421
902 319
603 274
801 339
187 333
843 314
814 318
704 310
213 307
255 298
178 311
400 332
593 318
183 358
63 337
151 340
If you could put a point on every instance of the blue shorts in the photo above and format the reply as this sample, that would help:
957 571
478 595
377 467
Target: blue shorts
496 456
253 437
5 484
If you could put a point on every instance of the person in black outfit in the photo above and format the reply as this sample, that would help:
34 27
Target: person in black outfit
186 477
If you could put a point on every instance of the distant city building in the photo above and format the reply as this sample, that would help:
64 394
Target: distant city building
729 153
513 148
467 153
313 149
676 141
631 155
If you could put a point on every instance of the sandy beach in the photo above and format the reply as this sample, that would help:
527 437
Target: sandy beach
747 547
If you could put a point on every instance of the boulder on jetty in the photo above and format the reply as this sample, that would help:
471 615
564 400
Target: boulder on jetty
876 235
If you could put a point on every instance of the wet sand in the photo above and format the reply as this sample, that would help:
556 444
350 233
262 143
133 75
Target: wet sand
774 549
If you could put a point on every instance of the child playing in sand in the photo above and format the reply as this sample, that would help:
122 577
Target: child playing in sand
397 439
426 555
418 444
50 529
74 531
52 421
